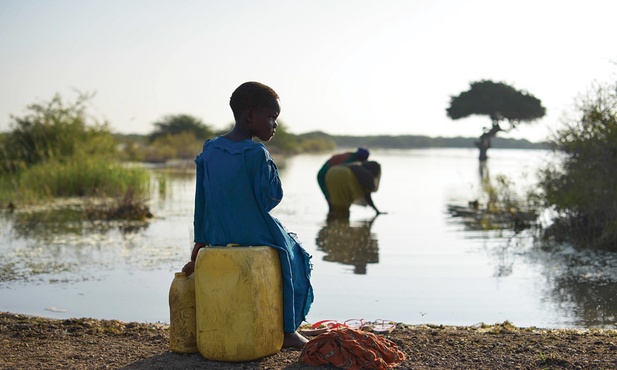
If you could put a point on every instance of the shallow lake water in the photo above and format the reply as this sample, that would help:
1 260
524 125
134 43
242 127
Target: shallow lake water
416 264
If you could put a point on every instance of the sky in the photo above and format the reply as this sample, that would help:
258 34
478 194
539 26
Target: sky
345 67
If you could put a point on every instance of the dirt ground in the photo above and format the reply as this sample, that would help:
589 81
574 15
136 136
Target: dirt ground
28 342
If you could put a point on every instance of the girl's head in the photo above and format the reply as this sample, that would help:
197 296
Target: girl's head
256 109
252 95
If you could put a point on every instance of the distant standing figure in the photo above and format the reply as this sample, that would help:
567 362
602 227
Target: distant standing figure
352 183
360 155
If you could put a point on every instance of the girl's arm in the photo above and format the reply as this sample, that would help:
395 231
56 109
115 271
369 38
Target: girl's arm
198 218
267 184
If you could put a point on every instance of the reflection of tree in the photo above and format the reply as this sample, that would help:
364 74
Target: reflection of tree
349 245
497 207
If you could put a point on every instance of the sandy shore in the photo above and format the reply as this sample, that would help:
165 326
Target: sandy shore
39 343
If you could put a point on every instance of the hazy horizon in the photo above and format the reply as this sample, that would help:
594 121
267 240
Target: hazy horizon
366 67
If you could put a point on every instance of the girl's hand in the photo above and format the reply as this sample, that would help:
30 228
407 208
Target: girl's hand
189 268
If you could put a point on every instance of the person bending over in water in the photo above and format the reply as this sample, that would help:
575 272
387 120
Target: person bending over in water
360 155
352 183
237 185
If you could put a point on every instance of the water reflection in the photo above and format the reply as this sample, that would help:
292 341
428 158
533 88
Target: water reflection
349 243
496 206
49 224
594 304
58 244
57 258
582 282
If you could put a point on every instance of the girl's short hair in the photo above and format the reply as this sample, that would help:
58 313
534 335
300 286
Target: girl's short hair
252 95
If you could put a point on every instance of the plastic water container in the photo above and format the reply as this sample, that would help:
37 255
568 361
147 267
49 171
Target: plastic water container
182 323
239 302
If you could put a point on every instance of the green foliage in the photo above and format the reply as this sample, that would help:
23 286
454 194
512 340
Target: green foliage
54 131
176 137
136 147
178 124
496 100
76 177
131 147
57 150
581 186
168 147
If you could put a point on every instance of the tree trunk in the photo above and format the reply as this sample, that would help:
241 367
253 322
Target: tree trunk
485 141
483 144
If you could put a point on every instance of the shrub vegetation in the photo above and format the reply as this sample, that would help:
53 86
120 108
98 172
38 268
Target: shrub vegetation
57 150
580 187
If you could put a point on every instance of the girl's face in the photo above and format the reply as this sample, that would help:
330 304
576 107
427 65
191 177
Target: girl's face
263 122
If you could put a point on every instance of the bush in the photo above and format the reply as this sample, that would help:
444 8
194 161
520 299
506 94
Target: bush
179 146
176 124
581 188
57 150
54 131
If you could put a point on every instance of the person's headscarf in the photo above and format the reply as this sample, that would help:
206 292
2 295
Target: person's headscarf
362 154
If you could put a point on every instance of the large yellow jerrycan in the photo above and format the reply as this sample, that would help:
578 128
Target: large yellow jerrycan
239 303
182 323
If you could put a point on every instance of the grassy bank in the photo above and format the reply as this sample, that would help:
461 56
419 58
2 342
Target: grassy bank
58 150
73 178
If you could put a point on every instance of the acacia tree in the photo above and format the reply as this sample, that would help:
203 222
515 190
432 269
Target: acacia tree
500 102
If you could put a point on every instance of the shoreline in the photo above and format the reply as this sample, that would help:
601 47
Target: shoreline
84 343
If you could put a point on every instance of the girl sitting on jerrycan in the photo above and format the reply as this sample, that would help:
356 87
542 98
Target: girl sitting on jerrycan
237 186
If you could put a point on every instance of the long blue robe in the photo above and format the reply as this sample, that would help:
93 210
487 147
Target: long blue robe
237 186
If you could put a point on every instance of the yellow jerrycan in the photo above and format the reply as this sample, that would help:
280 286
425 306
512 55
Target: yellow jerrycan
182 324
239 302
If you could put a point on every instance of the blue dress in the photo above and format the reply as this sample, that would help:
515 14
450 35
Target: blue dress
237 186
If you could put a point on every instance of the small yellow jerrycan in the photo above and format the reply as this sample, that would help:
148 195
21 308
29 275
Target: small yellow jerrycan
182 324
239 302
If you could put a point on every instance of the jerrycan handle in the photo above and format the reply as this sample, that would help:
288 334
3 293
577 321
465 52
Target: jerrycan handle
231 245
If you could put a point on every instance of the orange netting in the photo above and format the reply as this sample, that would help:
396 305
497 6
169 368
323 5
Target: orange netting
351 349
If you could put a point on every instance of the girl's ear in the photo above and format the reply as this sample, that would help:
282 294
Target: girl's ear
248 115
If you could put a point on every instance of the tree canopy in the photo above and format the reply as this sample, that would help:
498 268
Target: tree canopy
499 102
496 100
175 124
